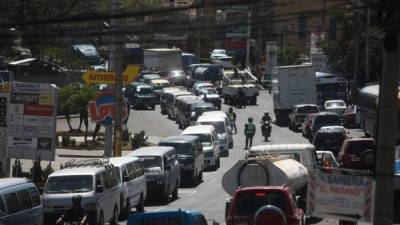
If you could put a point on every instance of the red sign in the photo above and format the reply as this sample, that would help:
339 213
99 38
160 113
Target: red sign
235 44
38 110
102 108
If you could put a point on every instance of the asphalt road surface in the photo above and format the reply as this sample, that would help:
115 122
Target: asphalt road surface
209 197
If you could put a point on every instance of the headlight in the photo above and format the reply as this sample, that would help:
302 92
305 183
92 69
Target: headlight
90 206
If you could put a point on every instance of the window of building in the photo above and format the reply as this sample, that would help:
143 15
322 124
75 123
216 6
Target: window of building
302 27
332 29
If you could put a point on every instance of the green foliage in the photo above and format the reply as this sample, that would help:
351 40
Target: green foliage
64 95
80 99
288 56
341 52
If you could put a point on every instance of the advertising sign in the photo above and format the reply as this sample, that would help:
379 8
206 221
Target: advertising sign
32 121
346 197
104 77
5 81
102 108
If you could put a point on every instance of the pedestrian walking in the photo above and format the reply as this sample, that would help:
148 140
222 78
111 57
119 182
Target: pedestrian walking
232 119
249 131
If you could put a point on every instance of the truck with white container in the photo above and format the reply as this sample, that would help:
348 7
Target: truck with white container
233 83
292 85
163 60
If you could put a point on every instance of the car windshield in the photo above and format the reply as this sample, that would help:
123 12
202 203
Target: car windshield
250 202
150 162
219 126
69 184
307 109
181 148
335 104
144 90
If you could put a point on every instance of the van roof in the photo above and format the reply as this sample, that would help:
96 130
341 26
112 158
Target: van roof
140 84
210 118
280 147
215 113
82 170
10 182
151 151
160 81
179 139
203 105
118 161
181 93
199 129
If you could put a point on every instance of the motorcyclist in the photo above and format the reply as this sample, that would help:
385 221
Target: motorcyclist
232 119
264 119
75 214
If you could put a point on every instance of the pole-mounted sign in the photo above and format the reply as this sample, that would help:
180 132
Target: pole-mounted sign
130 74
102 108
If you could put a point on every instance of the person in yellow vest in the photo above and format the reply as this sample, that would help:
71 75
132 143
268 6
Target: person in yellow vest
249 131
232 119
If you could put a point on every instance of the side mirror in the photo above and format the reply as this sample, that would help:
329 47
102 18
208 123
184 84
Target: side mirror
125 179
99 189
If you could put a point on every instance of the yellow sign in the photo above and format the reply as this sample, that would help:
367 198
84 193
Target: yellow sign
130 74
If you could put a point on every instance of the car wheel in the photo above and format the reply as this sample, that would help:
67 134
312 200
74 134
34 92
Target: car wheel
101 219
114 219
368 157
140 206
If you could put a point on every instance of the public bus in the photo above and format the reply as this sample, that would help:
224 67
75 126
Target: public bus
330 87
368 103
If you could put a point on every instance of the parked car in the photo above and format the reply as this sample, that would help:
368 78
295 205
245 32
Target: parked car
223 115
96 182
209 139
163 97
132 183
197 109
218 53
162 171
246 201
190 156
358 153
158 85
211 95
20 202
299 113
323 119
140 95
330 138
337 106
178 217
351 117
306 125
222 130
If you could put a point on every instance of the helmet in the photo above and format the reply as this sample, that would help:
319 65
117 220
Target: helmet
266 112
250 119
76 200
230 109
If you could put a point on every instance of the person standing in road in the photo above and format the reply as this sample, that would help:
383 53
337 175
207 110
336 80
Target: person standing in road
249 131
232 119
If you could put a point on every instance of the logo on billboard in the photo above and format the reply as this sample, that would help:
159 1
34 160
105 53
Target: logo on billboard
102 108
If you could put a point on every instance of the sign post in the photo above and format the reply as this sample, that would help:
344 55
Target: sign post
130 74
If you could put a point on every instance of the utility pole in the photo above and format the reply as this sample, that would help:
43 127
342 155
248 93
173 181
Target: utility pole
248 38
367 46
387 122
356 51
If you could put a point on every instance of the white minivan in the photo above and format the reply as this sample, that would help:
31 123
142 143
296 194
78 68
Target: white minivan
227 121
209 140
132 183
221 127
20 202
95 181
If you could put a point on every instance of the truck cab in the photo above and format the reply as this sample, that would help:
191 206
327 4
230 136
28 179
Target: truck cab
246 201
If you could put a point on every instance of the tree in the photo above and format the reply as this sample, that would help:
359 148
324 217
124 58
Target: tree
64 101
288 56
341 52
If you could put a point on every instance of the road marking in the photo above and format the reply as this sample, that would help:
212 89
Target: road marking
187 193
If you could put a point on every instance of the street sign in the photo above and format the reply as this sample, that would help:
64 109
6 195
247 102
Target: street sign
130 74
102 108
346 197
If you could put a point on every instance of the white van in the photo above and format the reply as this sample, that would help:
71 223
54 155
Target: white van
95 181
221 127
132 183
227 121
209 140
20 202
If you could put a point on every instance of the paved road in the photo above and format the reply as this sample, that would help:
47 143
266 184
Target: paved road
209 196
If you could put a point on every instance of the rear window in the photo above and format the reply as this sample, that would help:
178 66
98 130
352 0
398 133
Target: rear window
331 138
327 119
356 147
250 202
307 109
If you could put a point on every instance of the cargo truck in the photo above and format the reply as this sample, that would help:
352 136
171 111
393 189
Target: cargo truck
241 81
292 85
163 60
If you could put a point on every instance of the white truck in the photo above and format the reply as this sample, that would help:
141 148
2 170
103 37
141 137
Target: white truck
164 60
233 83
292 85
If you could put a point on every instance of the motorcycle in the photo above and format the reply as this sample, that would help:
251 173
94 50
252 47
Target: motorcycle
266 129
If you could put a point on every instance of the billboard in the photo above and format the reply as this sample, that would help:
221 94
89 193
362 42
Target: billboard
32 121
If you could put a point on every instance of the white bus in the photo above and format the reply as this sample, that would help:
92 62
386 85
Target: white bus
368 103
330 87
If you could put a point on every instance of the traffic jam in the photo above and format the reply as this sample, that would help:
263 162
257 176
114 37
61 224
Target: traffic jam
194 112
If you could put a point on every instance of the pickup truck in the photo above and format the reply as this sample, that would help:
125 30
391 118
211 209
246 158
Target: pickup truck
246 201
299 113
